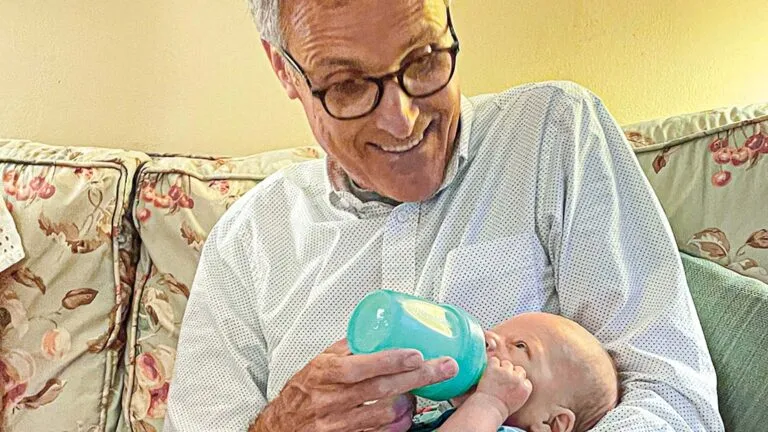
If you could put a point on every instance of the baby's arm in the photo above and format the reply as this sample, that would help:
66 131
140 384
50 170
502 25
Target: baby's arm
502 390
479 413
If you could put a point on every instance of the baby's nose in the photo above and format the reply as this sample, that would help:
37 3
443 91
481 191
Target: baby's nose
490 342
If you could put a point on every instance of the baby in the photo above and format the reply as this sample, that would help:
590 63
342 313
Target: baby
544 373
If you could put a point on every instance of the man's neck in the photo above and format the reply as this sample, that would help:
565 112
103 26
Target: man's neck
365 194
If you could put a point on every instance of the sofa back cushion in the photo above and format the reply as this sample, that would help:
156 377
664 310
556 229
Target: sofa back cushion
178 200
710 172
62 308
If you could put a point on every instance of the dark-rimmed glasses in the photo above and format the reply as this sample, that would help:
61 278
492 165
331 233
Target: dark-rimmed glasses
418 78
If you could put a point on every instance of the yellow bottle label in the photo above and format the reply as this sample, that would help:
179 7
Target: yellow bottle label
430 315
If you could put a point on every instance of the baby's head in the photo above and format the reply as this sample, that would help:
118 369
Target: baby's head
574 379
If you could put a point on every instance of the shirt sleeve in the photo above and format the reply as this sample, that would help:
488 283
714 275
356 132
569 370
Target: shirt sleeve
618 271
221 372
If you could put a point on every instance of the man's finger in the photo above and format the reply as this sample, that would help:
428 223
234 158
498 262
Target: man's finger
402 424
358 368
383 387
340 347
380 414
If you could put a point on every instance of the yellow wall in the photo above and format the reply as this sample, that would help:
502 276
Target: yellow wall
189 75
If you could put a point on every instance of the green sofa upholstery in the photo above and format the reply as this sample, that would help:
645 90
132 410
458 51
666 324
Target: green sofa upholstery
734 316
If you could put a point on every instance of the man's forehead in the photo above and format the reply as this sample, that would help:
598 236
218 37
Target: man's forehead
338 32
426 35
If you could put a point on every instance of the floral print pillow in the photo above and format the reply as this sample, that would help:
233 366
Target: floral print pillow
177 202
62 308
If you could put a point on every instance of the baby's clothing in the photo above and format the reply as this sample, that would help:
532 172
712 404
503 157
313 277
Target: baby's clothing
429 420
11 250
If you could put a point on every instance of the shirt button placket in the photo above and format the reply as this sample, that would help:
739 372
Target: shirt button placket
399 249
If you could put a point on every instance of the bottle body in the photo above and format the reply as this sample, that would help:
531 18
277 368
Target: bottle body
388 320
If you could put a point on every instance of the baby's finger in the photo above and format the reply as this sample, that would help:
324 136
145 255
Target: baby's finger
520 371
494 361
521 391
528 386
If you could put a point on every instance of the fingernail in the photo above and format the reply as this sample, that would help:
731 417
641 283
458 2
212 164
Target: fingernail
413 360
448 367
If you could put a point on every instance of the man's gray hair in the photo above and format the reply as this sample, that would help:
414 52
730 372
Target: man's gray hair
266 14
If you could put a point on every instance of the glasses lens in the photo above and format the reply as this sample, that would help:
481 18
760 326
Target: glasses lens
351 98
428 74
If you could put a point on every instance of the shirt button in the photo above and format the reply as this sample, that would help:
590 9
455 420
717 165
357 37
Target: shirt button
402 216
344 203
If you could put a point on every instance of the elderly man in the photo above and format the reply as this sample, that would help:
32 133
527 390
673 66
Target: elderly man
525 200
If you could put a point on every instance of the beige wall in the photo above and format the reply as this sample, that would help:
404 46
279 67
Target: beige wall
189 76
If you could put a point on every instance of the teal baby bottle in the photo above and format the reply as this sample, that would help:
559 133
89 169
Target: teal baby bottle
387 320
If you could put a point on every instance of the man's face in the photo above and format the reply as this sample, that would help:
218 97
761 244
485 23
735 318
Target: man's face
401 149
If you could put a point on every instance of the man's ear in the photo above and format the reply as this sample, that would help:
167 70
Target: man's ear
562 420
278 65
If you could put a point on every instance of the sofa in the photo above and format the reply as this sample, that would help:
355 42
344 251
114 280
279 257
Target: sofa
90 318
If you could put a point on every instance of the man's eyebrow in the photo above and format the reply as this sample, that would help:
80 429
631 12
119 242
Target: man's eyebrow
341 62
426 33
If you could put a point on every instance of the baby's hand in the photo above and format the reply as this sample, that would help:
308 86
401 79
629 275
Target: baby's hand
505 383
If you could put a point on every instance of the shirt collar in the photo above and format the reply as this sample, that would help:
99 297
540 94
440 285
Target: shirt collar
345 196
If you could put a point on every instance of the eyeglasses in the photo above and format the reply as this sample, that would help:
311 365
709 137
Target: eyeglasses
418 78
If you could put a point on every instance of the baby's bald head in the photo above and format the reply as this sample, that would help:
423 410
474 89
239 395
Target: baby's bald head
574 379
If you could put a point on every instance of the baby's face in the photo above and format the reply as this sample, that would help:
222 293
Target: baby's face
542 344
533 341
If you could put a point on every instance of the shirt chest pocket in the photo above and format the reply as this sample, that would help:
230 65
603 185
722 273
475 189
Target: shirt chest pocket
493 280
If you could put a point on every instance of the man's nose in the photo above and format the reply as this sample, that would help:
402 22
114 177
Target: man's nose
396 113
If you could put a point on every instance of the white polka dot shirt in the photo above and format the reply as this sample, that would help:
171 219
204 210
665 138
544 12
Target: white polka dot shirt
543 207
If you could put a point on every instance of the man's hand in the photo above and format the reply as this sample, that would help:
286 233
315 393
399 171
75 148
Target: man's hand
503 386
337 391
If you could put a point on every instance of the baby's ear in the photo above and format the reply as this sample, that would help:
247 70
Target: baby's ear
562 420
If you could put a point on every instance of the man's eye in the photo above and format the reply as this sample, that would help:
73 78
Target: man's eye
351 86
521 345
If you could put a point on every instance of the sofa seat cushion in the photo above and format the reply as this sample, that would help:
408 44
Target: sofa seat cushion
62 308
178 200
733 310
